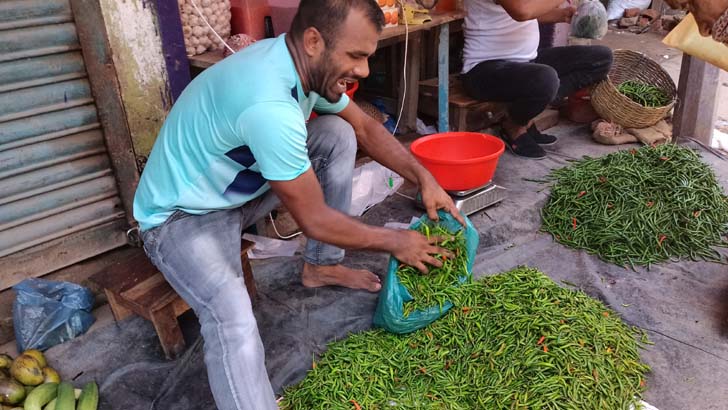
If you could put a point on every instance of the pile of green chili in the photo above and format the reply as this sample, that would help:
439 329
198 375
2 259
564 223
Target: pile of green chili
644 94
430 289
639 207
513 341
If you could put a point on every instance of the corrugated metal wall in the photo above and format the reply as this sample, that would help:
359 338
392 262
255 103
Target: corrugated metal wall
55 177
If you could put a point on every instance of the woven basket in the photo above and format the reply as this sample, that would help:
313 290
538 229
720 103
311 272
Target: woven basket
614 106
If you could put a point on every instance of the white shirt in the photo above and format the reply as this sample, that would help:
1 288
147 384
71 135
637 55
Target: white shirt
492 34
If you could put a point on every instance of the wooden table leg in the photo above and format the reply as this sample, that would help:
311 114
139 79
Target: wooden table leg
408 122
167 327
443 75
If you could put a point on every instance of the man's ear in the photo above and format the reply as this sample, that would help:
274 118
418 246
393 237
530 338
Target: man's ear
313 42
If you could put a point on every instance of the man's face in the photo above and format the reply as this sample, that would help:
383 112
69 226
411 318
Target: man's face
346 60
706 12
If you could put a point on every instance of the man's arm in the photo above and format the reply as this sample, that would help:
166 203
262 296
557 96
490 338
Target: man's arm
379 144
524 10
558 15
305 200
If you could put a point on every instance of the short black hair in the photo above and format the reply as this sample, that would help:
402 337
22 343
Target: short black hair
328 16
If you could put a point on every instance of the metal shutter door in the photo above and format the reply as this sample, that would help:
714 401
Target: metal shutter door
58 196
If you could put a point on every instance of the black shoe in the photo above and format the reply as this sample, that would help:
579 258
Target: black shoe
541 139
524 146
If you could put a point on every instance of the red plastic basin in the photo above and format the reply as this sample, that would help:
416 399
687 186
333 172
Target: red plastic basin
459 161
350 90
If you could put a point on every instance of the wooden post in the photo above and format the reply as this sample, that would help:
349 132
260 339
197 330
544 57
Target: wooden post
408 122
443 74
697 93
173 45
94 40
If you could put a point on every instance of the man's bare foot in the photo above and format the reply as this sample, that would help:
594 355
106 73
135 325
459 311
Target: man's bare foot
315 276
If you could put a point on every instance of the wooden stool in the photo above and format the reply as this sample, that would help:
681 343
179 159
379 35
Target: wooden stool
136 286
466 113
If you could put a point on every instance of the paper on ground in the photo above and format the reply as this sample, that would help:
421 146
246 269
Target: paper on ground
645 406
270 248
372 184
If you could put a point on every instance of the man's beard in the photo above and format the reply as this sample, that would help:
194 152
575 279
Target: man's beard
324 80
720 29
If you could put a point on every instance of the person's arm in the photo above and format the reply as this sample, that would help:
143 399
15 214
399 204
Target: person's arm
303 197
524 10
558 15
382 147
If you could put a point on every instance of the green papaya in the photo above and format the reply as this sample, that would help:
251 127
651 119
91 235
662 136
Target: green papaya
11 392
27 370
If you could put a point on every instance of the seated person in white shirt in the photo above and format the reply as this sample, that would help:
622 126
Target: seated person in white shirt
502 63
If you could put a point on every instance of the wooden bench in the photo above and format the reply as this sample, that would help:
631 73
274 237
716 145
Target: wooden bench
466 113
136 286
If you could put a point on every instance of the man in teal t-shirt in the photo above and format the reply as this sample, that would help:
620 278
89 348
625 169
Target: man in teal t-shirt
236 144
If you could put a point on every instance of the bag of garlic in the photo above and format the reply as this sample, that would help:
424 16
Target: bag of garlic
198 36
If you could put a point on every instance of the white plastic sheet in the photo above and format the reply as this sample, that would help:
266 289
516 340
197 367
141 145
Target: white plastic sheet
372 184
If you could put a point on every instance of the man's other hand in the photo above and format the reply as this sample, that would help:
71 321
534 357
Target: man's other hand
414 249
434 198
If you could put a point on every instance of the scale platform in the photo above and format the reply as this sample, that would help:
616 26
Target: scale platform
474 200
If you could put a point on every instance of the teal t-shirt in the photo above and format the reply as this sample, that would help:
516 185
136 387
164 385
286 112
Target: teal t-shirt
239 124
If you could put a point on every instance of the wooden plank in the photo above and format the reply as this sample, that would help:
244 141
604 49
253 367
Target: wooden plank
99 63
389 36
206 60
47 257
144 287
695 112
126 274
438 19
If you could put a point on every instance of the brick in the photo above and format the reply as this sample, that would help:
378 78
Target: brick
650 14
633 12
547 119
628 22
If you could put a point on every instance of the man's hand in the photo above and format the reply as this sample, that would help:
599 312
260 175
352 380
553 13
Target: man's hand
568 13
414 249
434 198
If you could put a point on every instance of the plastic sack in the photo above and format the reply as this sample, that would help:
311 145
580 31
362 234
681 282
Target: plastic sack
686 37
590 20
616 8
47 313
389 314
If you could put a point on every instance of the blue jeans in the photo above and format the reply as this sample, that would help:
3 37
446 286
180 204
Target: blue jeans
199 256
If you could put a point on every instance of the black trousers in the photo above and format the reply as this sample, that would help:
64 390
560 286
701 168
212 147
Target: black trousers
529 87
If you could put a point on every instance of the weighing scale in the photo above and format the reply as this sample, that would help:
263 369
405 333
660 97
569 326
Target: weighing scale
474 200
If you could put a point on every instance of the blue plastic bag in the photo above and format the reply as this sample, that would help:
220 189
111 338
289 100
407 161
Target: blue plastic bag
47 313
390 307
